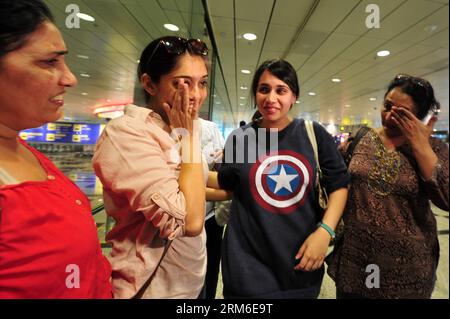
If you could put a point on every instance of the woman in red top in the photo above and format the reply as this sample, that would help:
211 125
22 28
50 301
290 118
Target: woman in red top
48 240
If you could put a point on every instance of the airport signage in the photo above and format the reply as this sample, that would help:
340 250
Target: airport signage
64 132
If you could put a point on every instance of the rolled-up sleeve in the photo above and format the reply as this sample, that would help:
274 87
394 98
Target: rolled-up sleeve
133 164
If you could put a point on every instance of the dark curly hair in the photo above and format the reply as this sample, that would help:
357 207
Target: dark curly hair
420 91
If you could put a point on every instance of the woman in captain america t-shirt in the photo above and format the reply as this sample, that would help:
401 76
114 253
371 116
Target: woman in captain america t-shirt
276 241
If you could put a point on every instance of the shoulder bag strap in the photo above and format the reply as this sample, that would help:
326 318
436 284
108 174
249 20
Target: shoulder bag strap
322 193
312 139
144 287
359 134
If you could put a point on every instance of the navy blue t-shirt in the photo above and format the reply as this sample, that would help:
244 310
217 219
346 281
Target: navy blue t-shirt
274 208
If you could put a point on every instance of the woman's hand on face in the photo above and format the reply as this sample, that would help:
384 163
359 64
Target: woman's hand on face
313 251
416 132
181 114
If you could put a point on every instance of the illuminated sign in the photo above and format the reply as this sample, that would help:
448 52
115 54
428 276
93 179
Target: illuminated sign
63 132
87 182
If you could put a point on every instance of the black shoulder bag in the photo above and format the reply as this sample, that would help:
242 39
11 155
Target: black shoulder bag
353 142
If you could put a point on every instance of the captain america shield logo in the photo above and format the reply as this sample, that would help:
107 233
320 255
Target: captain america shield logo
281 182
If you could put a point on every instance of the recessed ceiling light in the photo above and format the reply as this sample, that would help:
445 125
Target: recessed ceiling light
297 102
244 88
84 16
84 93
383 53
85 75
336 80
372 99
81 56
242 98
171 27
241 104
311 93
217 102
245 71
431 28
118 89
250 36
347 105
138 61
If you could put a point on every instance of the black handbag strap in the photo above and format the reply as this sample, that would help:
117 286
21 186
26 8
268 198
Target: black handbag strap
144 287
353 142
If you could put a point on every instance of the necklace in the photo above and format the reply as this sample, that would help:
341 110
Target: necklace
384 171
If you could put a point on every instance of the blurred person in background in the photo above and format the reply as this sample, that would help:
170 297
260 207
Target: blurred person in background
216 211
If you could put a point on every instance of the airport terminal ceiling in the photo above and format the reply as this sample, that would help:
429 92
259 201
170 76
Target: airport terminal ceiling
332 44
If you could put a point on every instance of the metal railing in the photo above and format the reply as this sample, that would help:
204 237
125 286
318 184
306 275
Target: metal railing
98 209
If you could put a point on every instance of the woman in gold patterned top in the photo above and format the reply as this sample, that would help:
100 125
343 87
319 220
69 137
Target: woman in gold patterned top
389 248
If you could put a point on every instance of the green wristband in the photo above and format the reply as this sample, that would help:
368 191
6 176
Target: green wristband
328 229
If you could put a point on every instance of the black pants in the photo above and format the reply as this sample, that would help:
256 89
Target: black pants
214 235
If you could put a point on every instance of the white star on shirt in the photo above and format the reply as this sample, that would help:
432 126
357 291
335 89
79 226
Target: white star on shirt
283 180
